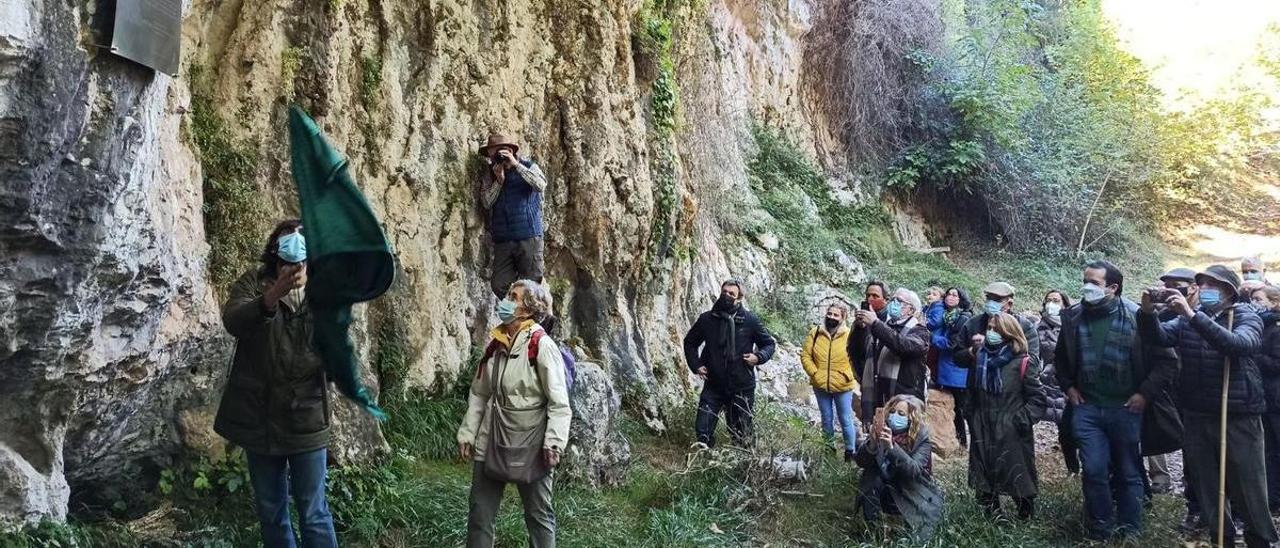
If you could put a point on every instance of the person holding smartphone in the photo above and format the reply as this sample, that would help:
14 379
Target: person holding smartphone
897 469
511 191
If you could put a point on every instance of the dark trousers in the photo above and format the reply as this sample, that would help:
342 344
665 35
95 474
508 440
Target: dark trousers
961 398
486 496
1067 440
991 503
303 475
1271 428
1111 475
514 261
738 407
1246 469
873 495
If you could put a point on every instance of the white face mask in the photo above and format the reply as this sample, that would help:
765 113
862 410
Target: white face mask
1052 308
294 298
1093 293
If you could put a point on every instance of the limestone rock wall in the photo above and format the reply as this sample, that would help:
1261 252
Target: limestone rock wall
111 349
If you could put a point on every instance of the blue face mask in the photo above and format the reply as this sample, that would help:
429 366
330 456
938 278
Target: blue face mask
894 310
1210 296
994 307
506 310
993 338
896 422
292 248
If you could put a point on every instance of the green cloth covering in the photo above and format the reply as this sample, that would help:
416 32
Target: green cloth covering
348 257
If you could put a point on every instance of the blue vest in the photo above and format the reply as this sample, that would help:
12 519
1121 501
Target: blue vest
517 214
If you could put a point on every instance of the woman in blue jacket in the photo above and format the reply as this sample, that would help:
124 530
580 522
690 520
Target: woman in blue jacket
946 317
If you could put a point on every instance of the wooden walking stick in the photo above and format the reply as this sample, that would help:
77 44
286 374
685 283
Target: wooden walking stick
1222 432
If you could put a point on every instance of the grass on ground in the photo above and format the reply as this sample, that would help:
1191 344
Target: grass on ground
671 498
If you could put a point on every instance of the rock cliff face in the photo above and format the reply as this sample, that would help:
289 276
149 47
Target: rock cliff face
126 193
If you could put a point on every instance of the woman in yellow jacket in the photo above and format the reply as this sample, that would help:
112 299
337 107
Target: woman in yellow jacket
826 360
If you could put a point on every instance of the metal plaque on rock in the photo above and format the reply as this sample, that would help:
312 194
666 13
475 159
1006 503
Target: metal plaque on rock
149 32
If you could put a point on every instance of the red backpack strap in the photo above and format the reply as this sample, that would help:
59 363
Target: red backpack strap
1022 368
534 338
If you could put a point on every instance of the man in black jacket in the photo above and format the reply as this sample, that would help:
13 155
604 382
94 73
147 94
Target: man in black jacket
999 299
889 352
1219 332
1111 375
734 342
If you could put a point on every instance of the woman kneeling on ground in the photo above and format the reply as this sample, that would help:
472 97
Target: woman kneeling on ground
517 420
897 469
1005 400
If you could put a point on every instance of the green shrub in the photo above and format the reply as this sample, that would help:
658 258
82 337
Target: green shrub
235 217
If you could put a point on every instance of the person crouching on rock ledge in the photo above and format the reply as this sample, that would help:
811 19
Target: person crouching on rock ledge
511 191
275 405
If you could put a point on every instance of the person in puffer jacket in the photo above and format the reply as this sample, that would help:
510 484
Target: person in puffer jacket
831 373
1205 344
946 318
1267 299
1059 409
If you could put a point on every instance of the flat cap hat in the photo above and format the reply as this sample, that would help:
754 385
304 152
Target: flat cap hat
999 289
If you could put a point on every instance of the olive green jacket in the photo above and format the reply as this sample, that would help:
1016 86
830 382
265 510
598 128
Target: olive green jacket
275 401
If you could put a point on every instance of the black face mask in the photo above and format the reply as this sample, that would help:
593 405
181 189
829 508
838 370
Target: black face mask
725 303
832 323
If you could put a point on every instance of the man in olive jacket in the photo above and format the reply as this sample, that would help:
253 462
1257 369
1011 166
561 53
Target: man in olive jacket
275 405
733 343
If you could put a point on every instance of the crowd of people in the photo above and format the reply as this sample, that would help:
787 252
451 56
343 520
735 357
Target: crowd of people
1126 381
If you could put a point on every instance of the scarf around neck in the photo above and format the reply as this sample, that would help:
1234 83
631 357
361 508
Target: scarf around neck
1119 344
990 362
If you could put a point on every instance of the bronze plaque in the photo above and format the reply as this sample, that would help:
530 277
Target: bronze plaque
149 32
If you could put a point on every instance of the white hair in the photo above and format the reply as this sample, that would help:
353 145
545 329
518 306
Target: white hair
536 299
911 298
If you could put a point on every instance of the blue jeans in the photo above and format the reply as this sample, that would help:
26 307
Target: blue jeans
1110 458
303 474
842 403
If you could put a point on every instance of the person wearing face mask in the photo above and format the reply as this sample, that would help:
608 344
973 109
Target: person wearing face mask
1253 275
998 300
954 312
1267 299
1182 280
511 192
831 374
1005 400
1111 375
1219 332
275 404
517 420
892 352
724 347
897 470
1059 410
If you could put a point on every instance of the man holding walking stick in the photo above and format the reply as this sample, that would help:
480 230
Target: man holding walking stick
1220 389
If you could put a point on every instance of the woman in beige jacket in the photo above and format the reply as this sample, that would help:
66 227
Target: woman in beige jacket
529 391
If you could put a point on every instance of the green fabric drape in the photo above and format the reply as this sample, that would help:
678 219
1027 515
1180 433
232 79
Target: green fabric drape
348 257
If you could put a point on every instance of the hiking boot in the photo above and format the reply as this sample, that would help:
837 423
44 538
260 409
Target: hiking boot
848 455
699 446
